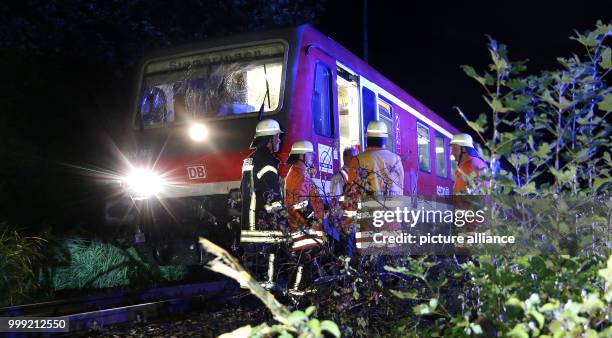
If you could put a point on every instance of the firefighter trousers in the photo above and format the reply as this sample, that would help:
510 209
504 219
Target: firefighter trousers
262 260
306 269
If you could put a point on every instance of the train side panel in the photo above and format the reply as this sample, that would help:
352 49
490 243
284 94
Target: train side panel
408 114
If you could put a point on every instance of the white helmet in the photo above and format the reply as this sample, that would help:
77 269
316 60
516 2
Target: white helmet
267 127
301 147
463 140
377 129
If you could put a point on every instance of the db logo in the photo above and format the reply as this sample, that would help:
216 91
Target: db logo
195 172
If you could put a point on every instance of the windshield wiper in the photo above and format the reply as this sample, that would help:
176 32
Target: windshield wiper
261 109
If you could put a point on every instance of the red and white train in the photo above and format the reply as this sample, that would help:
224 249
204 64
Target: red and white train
195 116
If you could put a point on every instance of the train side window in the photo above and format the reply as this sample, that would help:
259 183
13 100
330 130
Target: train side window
441 164
453 169
321 101
386 116
423 147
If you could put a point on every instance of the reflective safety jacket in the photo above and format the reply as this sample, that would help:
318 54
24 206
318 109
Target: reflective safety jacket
261 197
468 165
304 207
378 171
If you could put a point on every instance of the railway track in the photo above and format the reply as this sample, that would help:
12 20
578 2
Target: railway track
96 313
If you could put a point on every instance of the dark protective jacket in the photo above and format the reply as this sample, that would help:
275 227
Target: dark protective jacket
261 197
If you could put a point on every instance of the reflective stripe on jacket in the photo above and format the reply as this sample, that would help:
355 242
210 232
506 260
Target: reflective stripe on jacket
306 239
262 236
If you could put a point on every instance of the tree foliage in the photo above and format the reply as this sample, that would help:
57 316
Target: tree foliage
120 31
546 135
551 128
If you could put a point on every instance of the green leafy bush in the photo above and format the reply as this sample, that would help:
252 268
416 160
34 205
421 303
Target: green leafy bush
520 297
552 130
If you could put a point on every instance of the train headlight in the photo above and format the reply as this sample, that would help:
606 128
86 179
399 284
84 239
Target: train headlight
198 132
144 183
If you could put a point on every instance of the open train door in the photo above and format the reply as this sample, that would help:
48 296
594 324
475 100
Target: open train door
349 108
359 103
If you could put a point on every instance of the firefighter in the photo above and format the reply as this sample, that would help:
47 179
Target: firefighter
377 173
305 213
262 201
468 163
339 179
377 170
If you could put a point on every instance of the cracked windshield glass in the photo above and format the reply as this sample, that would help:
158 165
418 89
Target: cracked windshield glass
219 84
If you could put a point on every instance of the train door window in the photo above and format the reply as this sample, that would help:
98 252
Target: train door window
423 147
441 165
384 108
321 101
386 116
369 107
348 109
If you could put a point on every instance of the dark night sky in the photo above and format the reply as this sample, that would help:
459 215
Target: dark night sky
420 45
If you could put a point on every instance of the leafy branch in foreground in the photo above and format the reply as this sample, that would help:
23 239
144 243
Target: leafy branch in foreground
562 296
298 323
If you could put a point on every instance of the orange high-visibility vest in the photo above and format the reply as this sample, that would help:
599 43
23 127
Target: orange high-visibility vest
300 195
467 166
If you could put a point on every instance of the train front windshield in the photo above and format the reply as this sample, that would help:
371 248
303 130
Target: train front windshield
218 84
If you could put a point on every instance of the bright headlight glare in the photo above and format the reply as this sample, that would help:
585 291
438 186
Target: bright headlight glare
198 132
144 183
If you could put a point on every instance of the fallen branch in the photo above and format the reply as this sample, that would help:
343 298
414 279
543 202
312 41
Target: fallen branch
227 265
